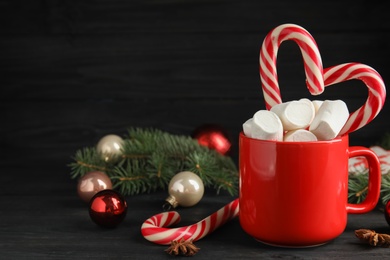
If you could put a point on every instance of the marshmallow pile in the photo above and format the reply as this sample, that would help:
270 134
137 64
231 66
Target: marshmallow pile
298 121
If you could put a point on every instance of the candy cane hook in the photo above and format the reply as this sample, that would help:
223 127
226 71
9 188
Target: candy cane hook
311 60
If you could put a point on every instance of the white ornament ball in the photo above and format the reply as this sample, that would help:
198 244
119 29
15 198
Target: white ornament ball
110 146
185 189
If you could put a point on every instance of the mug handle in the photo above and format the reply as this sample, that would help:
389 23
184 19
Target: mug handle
374 180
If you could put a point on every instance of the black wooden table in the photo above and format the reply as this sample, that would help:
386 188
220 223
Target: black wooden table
74 71
43 218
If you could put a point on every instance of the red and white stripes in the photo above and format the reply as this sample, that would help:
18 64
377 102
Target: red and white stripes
311 60
376 92
317 77
155 229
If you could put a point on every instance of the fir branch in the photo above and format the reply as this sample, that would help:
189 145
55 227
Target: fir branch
358 182
385 188
357 187
86 160
150 158
214 171
130 179
385 184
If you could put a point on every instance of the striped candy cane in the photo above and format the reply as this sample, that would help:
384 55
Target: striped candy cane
155 228
376 92
311 60
317 77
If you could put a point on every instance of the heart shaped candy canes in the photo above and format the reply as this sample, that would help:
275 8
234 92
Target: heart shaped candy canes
155 228
317 77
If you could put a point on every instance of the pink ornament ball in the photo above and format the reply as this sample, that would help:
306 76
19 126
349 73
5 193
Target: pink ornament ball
91 183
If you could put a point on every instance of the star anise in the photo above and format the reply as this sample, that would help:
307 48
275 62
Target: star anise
373 238
182 247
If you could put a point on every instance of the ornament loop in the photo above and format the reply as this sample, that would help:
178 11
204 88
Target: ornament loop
170 203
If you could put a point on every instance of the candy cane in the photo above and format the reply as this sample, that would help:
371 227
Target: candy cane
316 77
155 228
376 92
311 59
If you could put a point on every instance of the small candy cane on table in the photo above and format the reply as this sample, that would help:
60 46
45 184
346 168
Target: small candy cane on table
311 60
155 229
376 92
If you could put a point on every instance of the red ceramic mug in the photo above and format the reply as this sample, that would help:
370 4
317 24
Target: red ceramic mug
294 194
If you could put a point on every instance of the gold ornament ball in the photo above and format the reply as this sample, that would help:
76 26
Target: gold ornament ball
185 189
110 146
91 183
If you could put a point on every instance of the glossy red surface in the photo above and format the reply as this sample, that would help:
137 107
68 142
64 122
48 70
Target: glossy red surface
294 194
107 208
213 137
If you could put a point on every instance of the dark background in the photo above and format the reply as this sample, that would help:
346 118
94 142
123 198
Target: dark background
74 71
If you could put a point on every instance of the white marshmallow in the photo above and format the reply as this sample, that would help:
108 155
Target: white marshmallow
266 125
299 135
247 127
330 119
317 104
295 114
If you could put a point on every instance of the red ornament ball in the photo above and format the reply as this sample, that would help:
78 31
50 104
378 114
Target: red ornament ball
91 183
107 208
387 212
213 137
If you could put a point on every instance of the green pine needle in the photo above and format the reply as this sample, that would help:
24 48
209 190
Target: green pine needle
385 188
358 182
152 157
357 185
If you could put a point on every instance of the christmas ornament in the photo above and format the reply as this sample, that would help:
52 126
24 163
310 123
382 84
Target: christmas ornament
110 146
387 212
91 183
155 229
213 137
185 189
107 208
151 157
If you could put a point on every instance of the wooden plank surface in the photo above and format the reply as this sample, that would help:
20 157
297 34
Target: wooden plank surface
73 71
43 218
